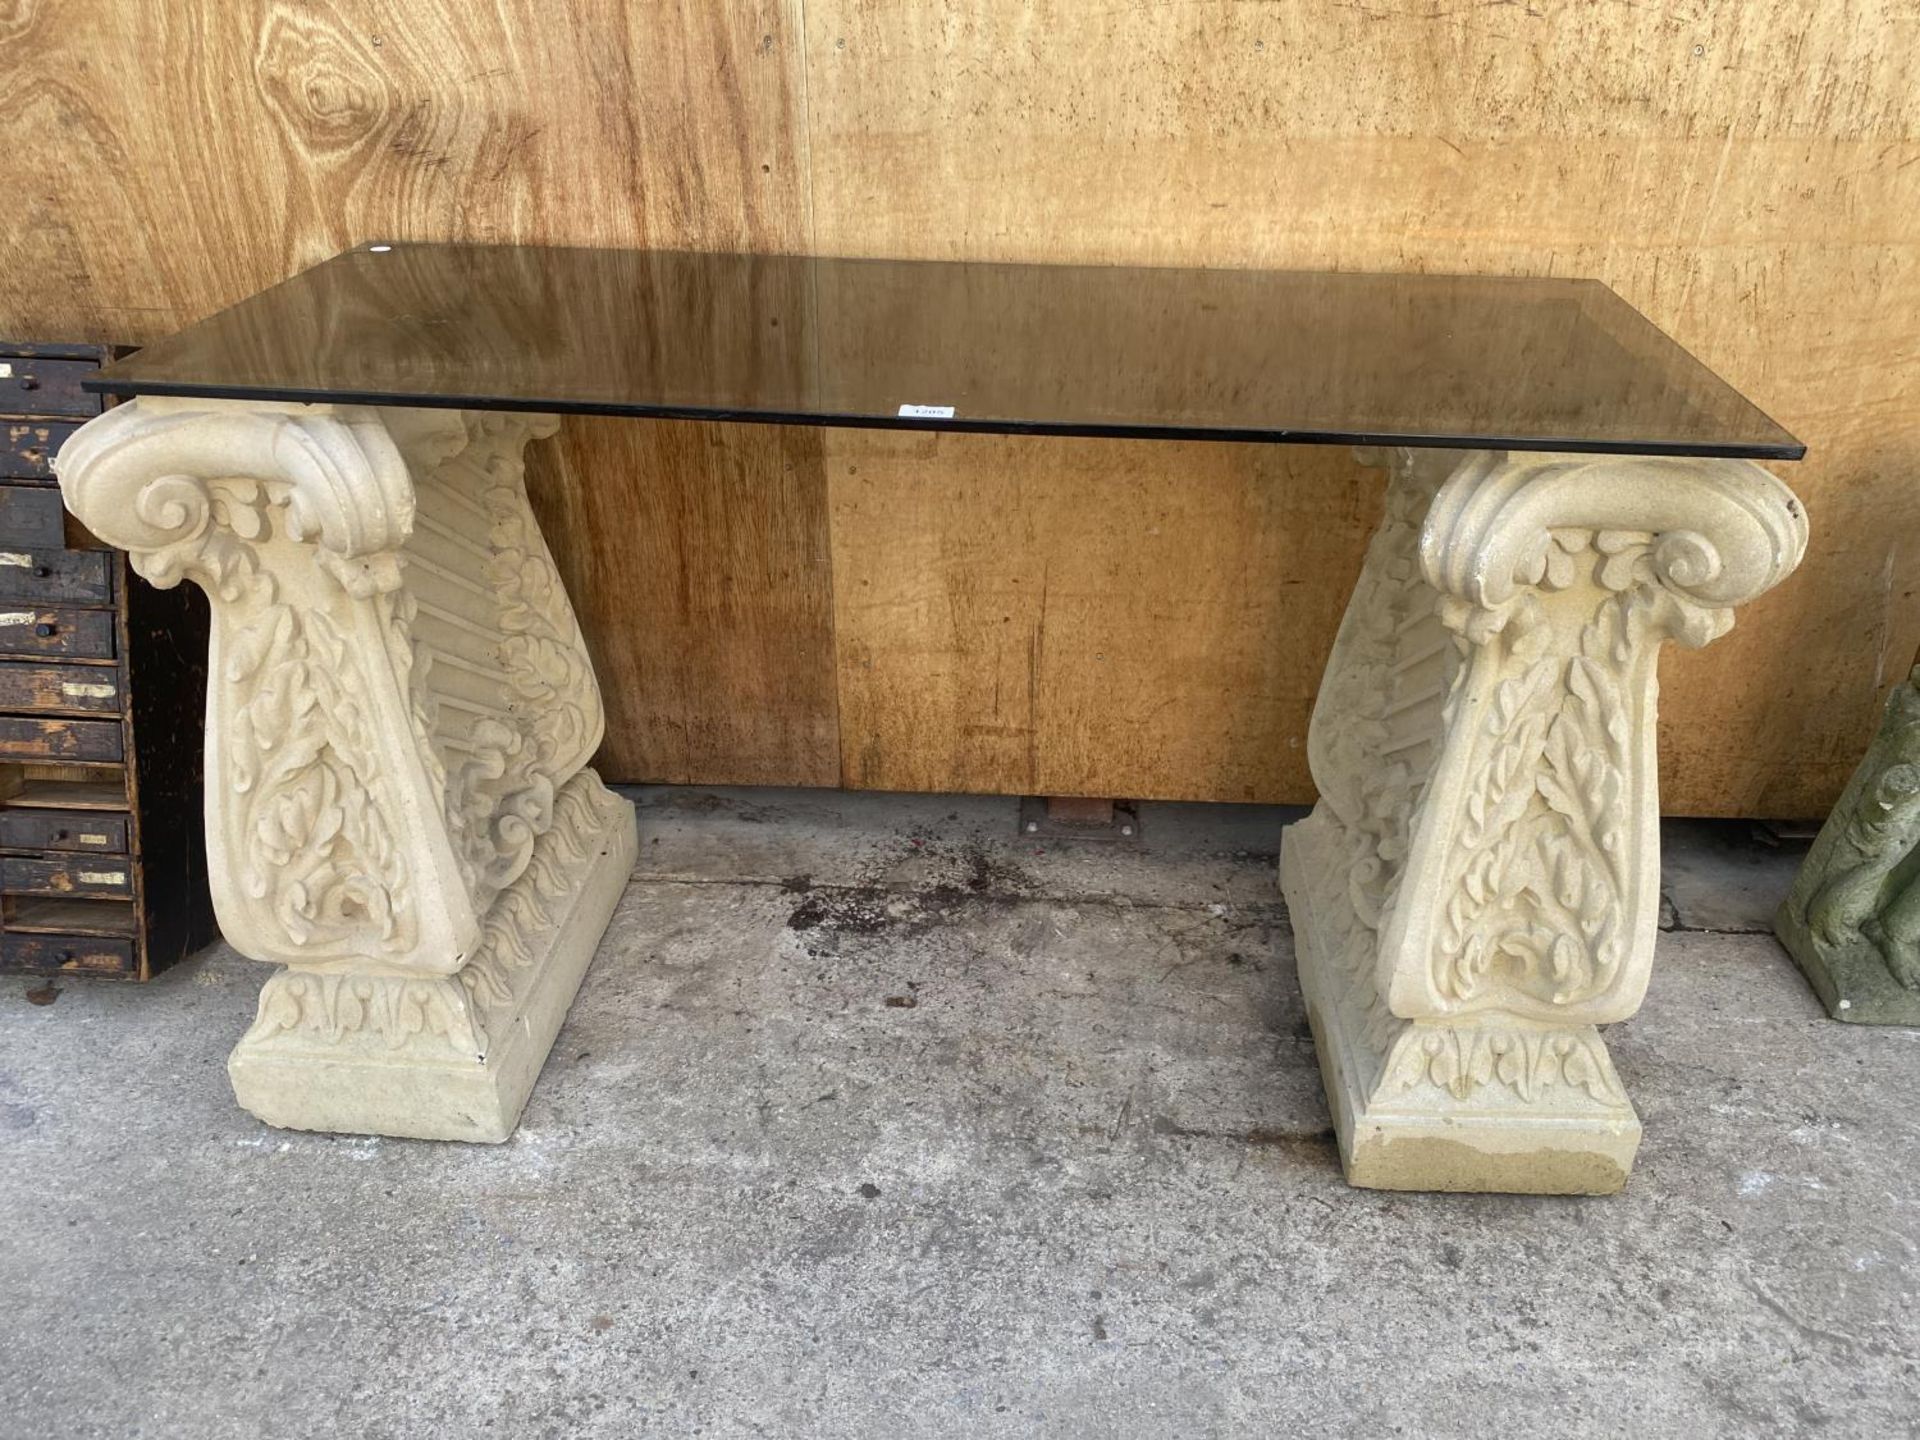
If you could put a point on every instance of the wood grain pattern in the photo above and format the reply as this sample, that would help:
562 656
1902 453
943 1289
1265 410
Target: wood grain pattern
1085 617
168 159
700 572
1748 174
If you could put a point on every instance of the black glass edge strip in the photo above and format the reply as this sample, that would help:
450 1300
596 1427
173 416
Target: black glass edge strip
184 391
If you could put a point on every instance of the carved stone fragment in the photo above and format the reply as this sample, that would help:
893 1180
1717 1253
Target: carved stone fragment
1852 919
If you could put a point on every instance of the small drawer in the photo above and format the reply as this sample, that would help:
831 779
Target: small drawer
27 447
64 577
25 737
94 954
30 386
94 689
83 634
32 518
108 877
83 830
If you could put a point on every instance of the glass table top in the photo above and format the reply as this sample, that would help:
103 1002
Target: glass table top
1290 356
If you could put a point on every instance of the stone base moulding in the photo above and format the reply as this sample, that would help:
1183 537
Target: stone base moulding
400 710
1852 920
1478 886
449 1058
1487 1104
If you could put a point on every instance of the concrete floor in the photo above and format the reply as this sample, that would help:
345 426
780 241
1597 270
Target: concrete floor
874 1118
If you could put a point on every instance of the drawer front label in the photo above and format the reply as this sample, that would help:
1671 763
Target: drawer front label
14 557
93 840
16 617
103 877
87 691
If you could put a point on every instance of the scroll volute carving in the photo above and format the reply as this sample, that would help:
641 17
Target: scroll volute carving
1531 882
325 840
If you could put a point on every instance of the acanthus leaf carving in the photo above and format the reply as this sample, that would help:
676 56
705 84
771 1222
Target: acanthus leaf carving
500 773
1481 860
1460 1059
1536 830
304 768
431 1018
300 523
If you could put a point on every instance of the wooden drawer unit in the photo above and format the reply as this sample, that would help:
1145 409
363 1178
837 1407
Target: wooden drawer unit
69 577
31 737
102 684
89 689
58 633
46 385
96 832
108 878
27 447
32 517
58 954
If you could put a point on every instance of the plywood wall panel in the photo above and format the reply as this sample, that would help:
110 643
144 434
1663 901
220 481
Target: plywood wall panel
165 159
1090 617
172 158
699 567
1747 174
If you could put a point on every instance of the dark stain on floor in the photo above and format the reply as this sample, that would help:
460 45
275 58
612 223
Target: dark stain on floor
971 874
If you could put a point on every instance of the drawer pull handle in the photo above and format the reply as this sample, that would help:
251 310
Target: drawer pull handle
43 629
41 572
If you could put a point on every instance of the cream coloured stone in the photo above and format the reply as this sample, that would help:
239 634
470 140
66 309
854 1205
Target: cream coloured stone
1478 887
400 707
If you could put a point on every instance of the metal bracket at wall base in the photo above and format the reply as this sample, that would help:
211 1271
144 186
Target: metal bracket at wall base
1073 817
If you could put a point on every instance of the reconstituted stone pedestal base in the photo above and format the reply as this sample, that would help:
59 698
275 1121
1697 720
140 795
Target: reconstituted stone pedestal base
1478 887
453 1057
1492 1104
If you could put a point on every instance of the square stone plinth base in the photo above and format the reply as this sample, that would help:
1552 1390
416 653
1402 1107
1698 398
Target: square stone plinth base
427 1058
1489 1105
1851 978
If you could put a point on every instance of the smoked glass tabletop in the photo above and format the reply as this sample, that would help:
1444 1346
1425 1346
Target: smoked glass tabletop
1289 356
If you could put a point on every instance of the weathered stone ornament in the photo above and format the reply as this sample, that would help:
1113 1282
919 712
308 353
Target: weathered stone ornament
1852 919
400 709
1478 887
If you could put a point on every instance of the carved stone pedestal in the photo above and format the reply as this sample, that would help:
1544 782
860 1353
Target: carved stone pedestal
1852 919
1478 887
399 711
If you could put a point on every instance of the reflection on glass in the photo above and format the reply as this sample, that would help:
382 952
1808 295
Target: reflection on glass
1224 354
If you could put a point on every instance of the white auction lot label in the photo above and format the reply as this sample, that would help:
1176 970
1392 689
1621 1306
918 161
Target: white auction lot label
927 412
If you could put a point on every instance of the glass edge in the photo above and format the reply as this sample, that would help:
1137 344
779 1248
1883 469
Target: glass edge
1788 449
1788 442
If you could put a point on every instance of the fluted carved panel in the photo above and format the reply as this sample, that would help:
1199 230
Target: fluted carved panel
504 697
